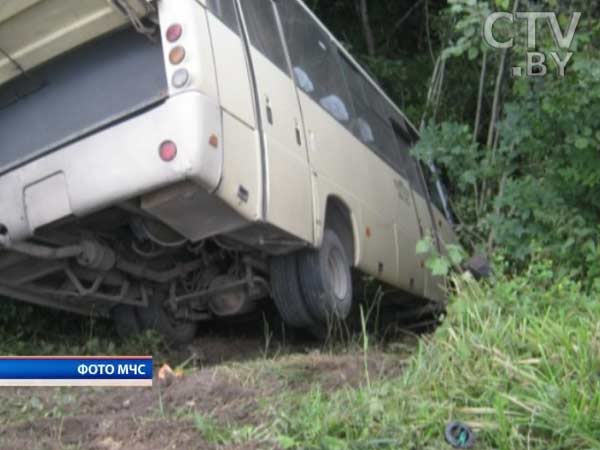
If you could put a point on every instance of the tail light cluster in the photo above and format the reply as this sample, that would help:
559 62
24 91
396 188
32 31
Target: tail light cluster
177 55
168 149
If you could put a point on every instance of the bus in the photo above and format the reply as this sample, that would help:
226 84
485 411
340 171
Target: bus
166 163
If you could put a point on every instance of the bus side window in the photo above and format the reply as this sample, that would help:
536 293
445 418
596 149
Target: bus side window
439 199
314 61
264 32
406 160
427 185
225 10
369 125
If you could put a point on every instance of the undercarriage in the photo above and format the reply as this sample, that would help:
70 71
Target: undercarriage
124 264
122 256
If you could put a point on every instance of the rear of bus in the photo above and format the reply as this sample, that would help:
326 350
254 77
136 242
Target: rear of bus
112 162
101 102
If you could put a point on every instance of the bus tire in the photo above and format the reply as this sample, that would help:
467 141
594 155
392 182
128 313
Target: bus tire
156 316
326 280
287 294
126 321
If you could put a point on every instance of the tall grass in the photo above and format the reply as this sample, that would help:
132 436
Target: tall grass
518 360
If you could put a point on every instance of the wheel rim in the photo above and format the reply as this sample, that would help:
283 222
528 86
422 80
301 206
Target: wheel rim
338 276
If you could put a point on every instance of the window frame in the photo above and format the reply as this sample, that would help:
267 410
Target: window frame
238 29
333 51
440 191
341 55
286 69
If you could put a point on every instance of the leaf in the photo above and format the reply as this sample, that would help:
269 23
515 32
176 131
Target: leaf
469 177
438 266
423 247
456 254
582 143
473 53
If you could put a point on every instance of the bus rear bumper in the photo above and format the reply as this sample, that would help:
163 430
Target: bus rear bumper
113 165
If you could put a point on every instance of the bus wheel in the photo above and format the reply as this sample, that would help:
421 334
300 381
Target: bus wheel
287 294
126 321
159 317
326 280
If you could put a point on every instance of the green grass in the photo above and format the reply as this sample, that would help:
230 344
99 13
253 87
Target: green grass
32 330
519 361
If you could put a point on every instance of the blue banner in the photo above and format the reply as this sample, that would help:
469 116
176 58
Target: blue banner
78 368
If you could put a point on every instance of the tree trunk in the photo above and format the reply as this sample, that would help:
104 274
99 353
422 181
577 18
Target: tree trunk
367 30
498 90
480 96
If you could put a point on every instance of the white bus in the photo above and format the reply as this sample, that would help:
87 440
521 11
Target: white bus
168 162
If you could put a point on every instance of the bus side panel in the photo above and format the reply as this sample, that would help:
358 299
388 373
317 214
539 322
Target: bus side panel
289 195
381 245
235 93
445 231
422 208
437 286
337 157
410 271
241 185
324 189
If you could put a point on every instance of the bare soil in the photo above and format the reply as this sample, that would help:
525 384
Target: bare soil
232 384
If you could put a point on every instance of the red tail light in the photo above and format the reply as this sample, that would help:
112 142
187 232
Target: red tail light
174 32
168 151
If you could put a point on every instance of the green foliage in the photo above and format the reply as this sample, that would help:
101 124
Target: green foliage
471 15
537 185
441 264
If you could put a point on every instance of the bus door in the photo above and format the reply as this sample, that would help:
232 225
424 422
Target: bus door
287 173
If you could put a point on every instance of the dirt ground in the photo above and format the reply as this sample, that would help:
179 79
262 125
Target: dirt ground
237 381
